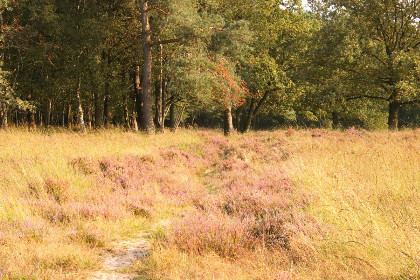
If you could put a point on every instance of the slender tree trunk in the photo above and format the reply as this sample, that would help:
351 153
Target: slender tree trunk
63 120
249 116
253 110
163 105
335 123
20 119
159 96
40 118
179 118
80 108
228 121
172 115
393 115
238 113
135 125
98 110
146 96
1 117
137 94
31 119
4 121
49 113
89 115
126 113
107 112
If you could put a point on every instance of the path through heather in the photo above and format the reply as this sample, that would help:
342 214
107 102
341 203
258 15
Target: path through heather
121 257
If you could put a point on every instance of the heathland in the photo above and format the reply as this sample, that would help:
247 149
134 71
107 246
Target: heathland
284 204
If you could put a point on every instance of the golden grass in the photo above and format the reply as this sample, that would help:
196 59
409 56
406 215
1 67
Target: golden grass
367 189
363 190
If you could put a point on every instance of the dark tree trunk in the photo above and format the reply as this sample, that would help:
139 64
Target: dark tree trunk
69 118
98 109
335 123
31 119
4 119
88 115
393 115
146 96
238 113
228 121
172 115
107 112
249 117
63 117
40 119
253 110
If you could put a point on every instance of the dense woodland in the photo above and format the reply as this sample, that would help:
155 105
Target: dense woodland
214 63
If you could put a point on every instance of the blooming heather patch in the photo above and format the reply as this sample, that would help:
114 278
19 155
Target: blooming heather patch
214 231
251 207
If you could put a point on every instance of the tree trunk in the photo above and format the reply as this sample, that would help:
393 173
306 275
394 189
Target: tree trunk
126 113
63 119
335 123
137 94
163 105
179 118
80 108
172 115
228 122
1 118
4 113
238 113
135 125
31 119
107 112
393 115
88 115
249 117
146 96
98 110
49 113
40 119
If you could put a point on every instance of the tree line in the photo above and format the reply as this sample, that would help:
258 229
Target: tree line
237 64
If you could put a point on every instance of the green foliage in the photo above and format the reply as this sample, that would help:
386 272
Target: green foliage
349 58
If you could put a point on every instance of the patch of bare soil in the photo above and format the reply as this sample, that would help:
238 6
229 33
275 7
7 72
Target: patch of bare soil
119 259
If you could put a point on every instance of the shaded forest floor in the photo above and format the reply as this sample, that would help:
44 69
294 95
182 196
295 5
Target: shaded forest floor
286 204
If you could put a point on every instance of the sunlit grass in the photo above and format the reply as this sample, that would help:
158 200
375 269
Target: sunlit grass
346 203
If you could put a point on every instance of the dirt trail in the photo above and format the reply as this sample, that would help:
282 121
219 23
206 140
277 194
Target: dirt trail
121 257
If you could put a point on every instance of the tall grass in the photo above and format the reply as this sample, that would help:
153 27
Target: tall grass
268 205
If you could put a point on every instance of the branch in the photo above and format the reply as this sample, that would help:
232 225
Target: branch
158 9
366 96
417 101
169 41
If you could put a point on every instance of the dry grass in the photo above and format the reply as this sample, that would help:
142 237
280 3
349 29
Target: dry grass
268 205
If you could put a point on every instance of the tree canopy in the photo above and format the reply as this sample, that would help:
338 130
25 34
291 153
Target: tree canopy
241 64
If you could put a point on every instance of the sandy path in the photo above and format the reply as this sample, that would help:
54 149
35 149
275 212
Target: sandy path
121 257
